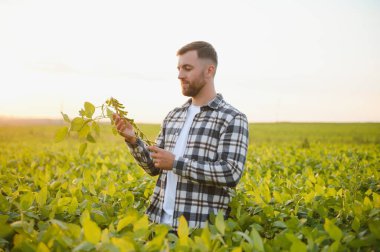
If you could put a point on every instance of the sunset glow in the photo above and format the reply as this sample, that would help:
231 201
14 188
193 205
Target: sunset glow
283 61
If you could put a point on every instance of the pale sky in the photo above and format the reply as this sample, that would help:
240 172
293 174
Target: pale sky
278 60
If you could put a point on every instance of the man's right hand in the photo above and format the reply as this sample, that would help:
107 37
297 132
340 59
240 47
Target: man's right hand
125 129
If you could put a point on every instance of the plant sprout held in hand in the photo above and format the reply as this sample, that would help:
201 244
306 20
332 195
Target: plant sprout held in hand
86 125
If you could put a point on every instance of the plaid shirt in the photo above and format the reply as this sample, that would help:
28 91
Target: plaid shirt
212 164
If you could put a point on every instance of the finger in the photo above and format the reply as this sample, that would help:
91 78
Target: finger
154 148
154 155
157 164
117 120
120 125
116 117
121 130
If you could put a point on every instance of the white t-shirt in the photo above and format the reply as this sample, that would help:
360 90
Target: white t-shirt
171 178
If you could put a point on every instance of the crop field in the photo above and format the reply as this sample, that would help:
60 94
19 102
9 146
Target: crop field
306 187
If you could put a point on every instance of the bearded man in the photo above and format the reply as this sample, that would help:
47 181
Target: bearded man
200 153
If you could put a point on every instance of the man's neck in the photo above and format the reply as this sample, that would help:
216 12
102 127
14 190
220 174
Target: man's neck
204 96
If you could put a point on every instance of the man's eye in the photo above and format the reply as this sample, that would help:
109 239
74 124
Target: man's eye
186 68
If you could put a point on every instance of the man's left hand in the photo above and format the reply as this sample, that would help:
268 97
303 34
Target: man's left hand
162 159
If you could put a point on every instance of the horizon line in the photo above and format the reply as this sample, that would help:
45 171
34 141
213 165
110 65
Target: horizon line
29 120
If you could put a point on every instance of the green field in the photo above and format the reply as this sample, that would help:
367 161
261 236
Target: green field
306 187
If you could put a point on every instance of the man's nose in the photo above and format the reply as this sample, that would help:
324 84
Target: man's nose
180 75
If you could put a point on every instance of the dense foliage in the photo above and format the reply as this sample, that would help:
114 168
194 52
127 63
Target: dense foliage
306 187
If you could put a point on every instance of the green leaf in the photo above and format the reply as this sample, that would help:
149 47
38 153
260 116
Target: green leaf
92 232
298 246
4 204
158 242
111 189
84 246
123 244
90 138
183 228
110 114
42 247
219 223
130 198
63 201
77 124
82 113
95 127
141 225
87 177
374 212
257 241
26 200
84 216
62 225
74 229
5 230
65 117
334 246
22 226
374 227
206 236
279 224
3 218
92 189
82 148
131 217
42 196
355 224
89 109
61 134
245 236
84 131
334 232
105 238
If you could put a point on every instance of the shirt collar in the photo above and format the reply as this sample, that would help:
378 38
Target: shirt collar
213 104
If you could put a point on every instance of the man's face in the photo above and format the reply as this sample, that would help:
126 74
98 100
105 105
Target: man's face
191 73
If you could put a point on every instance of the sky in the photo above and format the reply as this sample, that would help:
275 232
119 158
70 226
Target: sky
294 61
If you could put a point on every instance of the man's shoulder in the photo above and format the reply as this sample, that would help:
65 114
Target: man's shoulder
175 112
220 105
229 110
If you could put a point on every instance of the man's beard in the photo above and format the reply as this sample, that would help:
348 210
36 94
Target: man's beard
193 88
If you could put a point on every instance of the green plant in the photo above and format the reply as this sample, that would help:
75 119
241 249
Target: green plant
322 198
86 124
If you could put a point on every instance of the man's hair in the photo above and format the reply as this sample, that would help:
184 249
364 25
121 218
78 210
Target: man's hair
204 50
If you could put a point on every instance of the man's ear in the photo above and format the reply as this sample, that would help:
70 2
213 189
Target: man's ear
211 70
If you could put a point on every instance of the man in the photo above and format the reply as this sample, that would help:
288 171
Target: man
201 150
